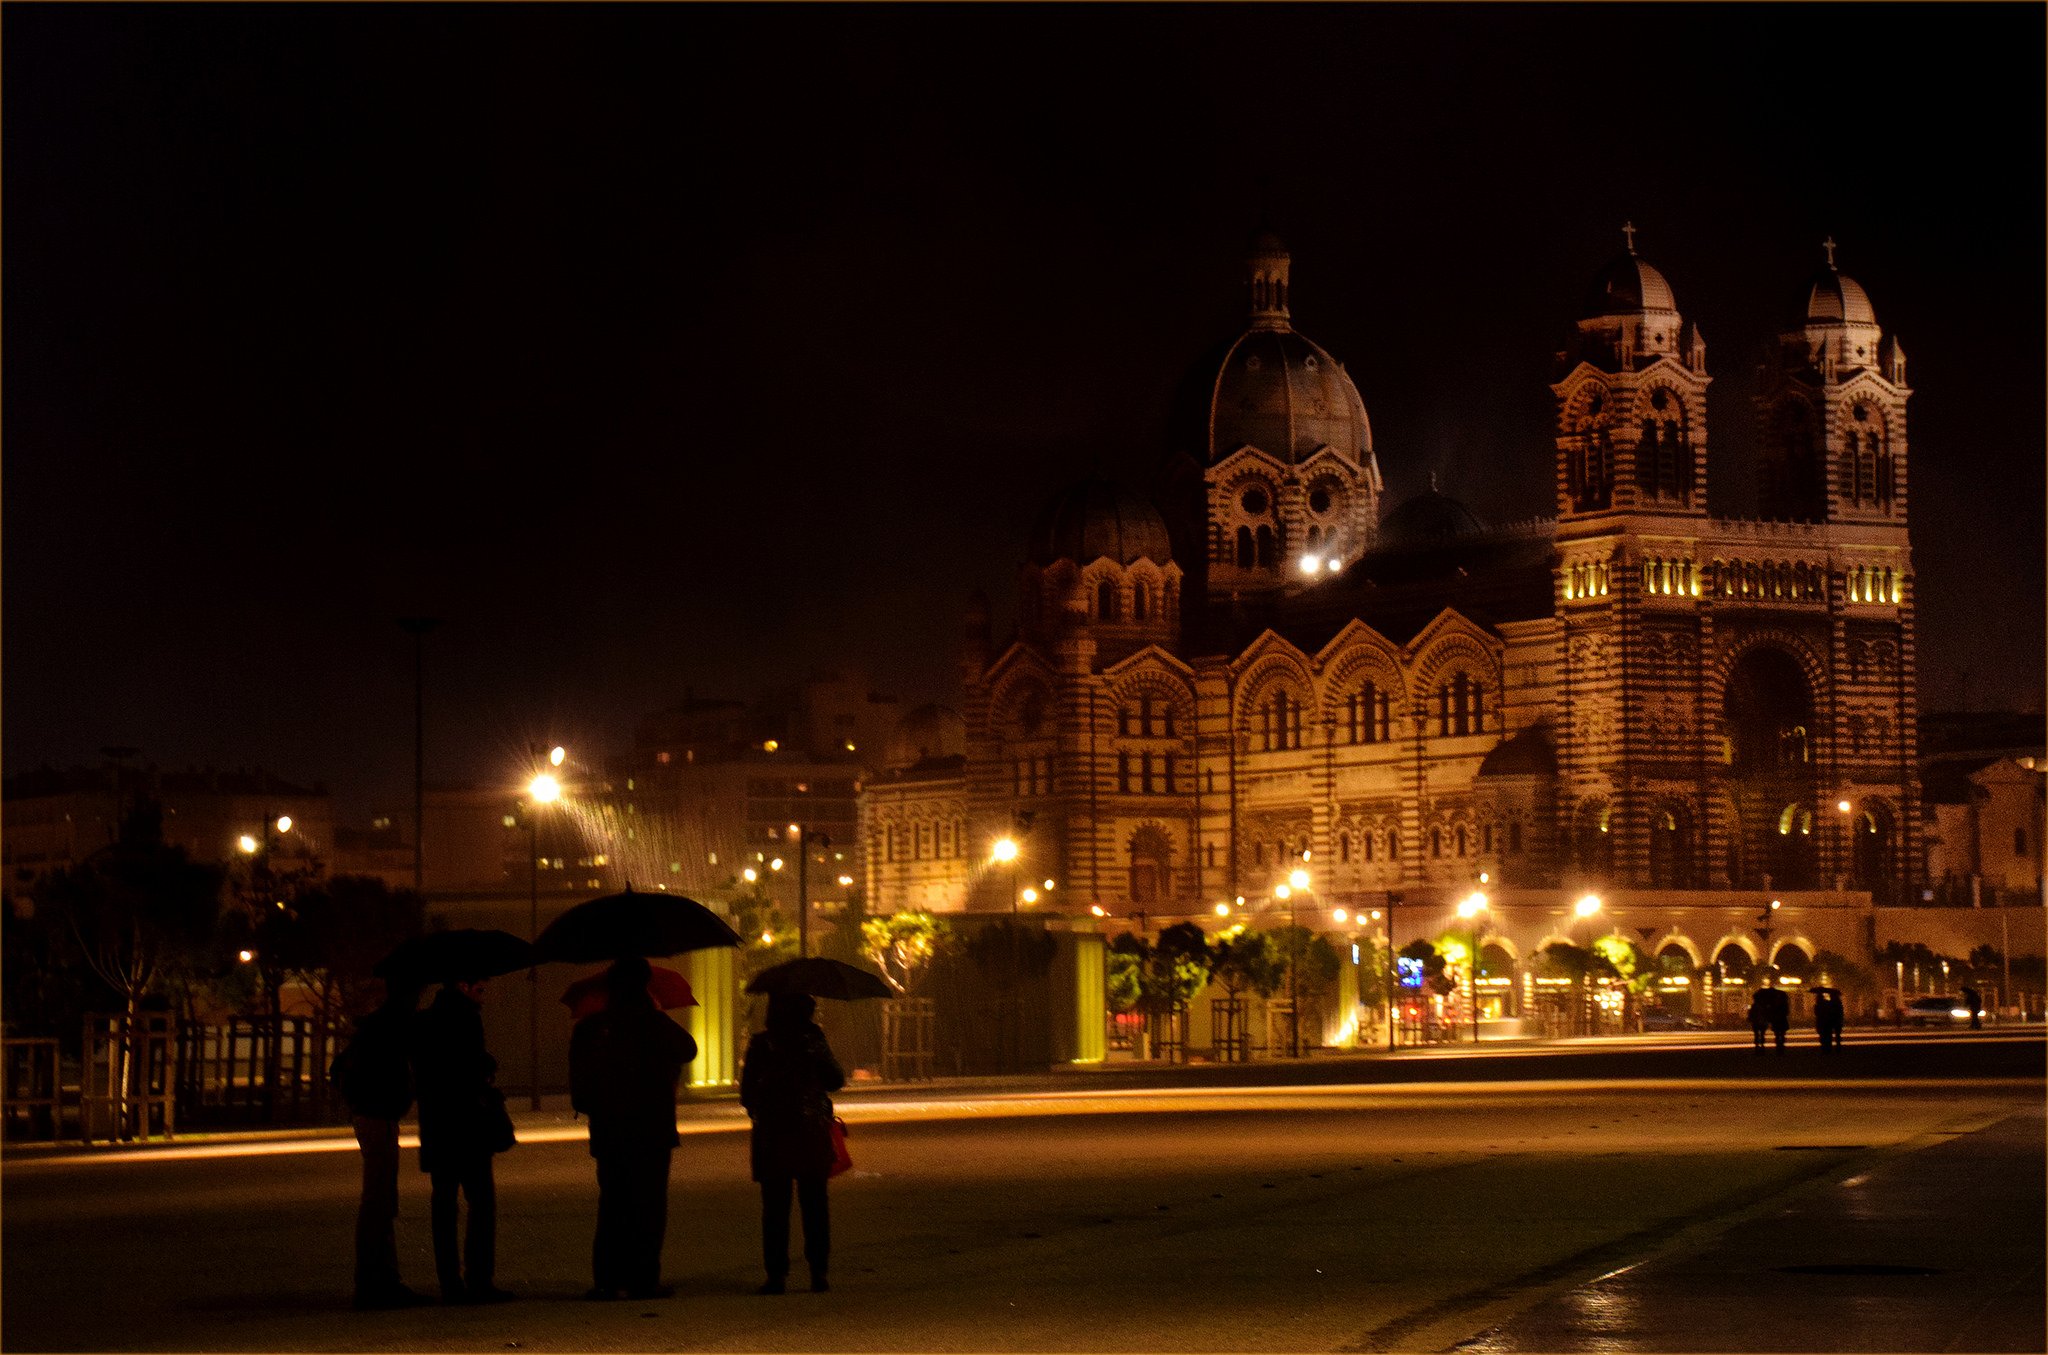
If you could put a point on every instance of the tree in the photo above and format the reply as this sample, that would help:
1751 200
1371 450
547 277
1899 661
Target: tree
902 945
1179 968
767 934
1124 972
1244 958
340 929
1629 963
133 907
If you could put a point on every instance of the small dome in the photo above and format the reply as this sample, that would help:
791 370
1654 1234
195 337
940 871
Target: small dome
1096 518
1838 297
1627 286
1428 518
930 731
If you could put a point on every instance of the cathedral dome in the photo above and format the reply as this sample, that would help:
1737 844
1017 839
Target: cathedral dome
1838 297
1281 393
1096 518
1275 389
1429 519
1627 286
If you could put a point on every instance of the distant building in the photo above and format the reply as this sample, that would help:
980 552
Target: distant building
1986 798
53 819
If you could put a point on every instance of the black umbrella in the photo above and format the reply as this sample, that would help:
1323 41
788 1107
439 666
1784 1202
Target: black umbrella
443 957
619 925
820 977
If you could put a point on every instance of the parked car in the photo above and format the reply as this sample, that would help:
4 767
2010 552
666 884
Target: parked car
1659 1018
1937 1011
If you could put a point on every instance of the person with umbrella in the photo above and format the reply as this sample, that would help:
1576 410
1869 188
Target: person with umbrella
786 1081
1828 1017
374 1077
625 1061
462 1125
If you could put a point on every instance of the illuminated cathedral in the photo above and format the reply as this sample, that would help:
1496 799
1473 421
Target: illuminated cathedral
1265 665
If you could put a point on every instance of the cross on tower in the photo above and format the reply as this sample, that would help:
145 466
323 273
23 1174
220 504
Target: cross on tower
1628 233
1829 245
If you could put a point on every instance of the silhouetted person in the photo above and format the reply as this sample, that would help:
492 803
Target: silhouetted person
1770 1009
1974 1000
374 1077
1828 1017
786 1085
624 1064
458 1115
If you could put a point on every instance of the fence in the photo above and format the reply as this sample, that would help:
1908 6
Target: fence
907 1039
127 1077
34 1088
258 1070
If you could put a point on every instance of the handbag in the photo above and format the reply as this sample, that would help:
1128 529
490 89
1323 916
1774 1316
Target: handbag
841 1162
497 1121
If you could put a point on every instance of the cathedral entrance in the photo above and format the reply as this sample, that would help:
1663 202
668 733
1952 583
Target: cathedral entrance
1768 724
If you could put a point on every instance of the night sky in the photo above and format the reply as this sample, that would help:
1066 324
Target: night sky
658 348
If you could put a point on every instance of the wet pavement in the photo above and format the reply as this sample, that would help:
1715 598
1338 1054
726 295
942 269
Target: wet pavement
1935 1249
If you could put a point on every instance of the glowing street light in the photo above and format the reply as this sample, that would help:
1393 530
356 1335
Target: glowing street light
1842 805
1339 915
1311 564
1004 851
750 875
1029 895
1098 910
245 956
284 823
846 882
1299 879
247 844
1587 906
1469 908
1223 910
544 788
1282 892
556 755
776 864
1048 886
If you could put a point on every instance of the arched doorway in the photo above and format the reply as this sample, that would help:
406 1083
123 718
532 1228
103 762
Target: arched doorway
1768 728
1151 871
1870 854
1593 840
1670 847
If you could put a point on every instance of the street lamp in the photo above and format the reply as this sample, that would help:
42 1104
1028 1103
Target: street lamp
1289 893
1394 898
1470 908
543 789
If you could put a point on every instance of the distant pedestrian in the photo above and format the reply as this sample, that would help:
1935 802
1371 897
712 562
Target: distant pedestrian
462 1124
624 1065
1770 1009
1828 1017
1974 1000
374 1076
786 1085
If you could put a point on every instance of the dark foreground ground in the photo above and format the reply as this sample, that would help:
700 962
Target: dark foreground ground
1690 1198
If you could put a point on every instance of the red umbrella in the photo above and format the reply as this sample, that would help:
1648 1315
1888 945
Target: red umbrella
587 996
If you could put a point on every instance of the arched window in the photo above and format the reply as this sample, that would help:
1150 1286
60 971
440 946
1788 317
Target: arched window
1367 841
1514 837
1462 842
1244 547
1436 843
1267 545
1105 601
1344 848
1123 773
1145 773
1393 844
1145 716
1123 720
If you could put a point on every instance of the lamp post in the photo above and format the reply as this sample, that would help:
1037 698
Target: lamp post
1470 908
1588 906
417 627
1394 897
1289 893
543 789
1005 853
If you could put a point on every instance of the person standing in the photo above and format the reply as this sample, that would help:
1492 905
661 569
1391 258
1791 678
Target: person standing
461 1127
374 1077
786 1083
1828 1017
624 1065
1759 1017
1974 1000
